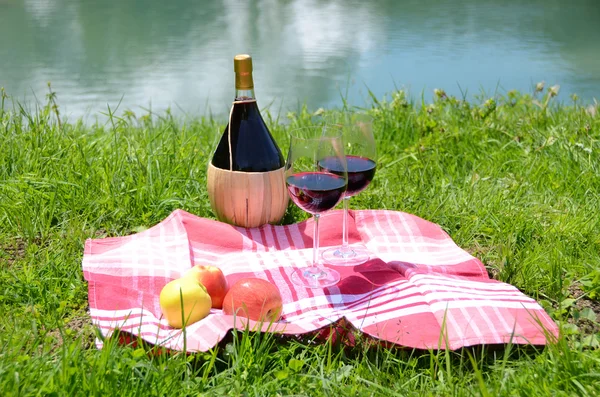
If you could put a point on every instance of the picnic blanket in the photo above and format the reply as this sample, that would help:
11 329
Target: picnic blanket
418 290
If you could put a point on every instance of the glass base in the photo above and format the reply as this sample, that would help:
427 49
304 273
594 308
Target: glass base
315 277
352 256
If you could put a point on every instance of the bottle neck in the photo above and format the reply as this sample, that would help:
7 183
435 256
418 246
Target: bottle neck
244 85
244 94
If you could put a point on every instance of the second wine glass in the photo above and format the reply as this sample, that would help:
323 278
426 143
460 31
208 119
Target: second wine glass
316 190
360 153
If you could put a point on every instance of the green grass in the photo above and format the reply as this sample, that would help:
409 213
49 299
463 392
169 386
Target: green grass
513 179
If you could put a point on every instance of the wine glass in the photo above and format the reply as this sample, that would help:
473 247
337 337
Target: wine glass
360 152
316 190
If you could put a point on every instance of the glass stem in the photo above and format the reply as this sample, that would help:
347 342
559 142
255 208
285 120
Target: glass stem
345 225
316 240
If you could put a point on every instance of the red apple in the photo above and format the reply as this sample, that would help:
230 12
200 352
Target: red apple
213 280
253 298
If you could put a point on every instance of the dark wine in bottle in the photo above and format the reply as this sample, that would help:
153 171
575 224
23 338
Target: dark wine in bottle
246 176
247 144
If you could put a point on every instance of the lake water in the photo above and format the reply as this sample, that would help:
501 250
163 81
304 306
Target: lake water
158 54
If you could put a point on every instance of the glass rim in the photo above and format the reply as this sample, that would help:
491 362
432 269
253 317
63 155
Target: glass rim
337 131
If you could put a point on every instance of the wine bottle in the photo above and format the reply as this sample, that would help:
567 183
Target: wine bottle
246 144
246 181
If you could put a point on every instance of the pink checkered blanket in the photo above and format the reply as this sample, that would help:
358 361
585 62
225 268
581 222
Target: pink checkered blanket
419 289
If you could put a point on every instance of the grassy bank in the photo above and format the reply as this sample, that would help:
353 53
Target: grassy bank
515 180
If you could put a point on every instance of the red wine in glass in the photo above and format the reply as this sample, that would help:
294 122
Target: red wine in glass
316 192
360 154
361 171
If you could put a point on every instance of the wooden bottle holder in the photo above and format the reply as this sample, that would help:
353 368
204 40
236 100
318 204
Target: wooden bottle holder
247 199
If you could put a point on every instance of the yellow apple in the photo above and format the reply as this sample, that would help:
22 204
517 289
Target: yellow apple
184 301
213 279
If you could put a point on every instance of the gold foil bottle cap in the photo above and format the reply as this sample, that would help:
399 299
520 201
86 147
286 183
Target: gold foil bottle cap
242 65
